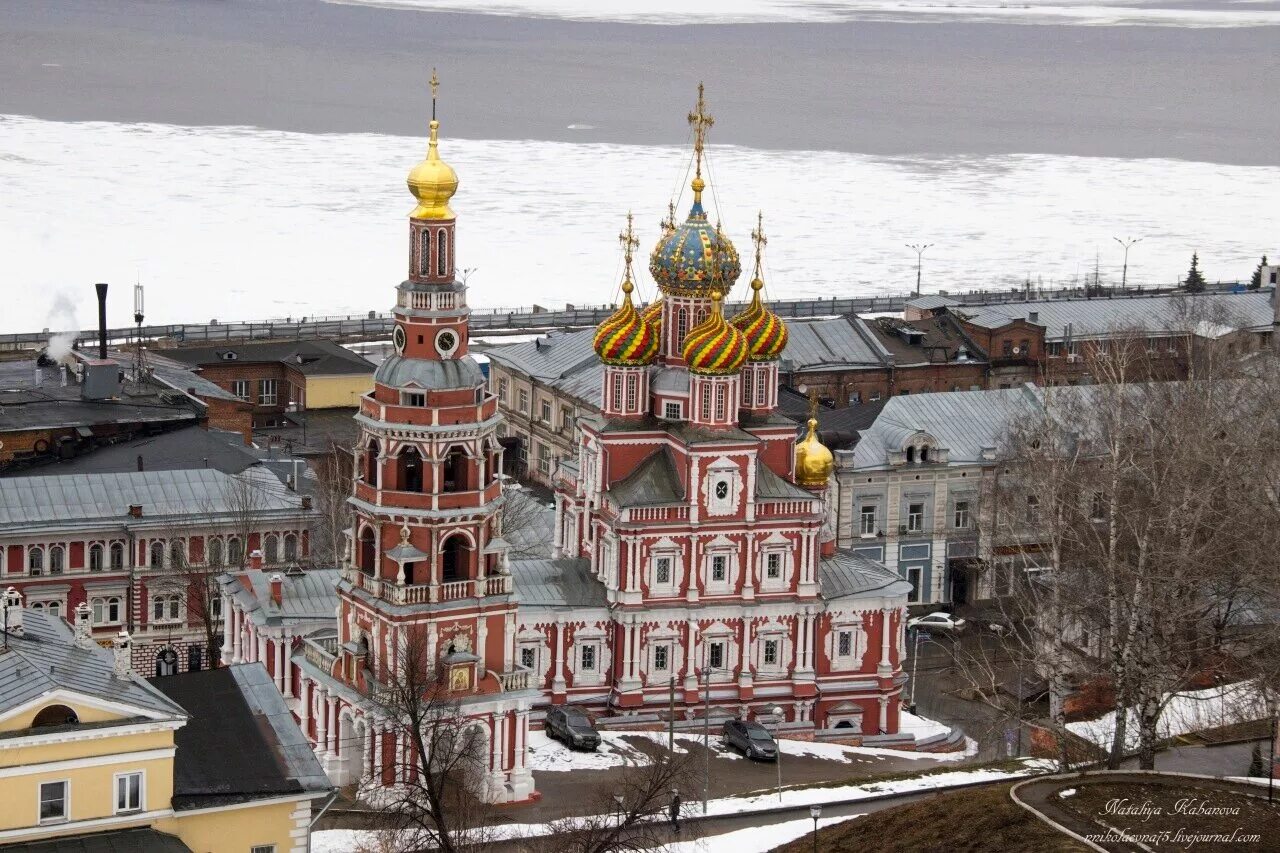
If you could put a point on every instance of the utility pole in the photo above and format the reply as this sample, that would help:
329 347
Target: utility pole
1127 242
671 719
706 734
918 248
915 663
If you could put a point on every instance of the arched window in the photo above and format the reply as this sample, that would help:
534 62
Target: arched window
455 470
166 663
95 557
271 548
117 555
55 715
442 251
106 610
702 316
178 553
235 552
35 559
424 252
155 555
57 559
455 558
409 463
368 551
215 552
911 454
290 548
166 608
633 382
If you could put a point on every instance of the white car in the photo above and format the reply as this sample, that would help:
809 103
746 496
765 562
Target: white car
936 622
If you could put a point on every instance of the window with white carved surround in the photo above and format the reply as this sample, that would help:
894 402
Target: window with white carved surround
532 652
720 566
718 651
722 487
774 566
663 656
772 651
664 568
589 661
846 642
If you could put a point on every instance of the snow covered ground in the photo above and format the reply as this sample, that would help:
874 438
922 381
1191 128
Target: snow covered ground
757 839
669 12
241 223
344 840
1191 711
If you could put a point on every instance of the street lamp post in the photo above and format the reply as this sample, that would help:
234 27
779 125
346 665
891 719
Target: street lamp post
815 812
617 798
1127 242
777 712
915 663
706 734
918 248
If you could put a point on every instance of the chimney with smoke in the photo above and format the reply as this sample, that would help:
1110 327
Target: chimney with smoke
102 377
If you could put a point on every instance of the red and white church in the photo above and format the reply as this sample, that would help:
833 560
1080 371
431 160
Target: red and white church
693 553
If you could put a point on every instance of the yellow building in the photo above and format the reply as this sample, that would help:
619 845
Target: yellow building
95 758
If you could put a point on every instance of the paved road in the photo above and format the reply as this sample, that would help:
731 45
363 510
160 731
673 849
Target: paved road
877 88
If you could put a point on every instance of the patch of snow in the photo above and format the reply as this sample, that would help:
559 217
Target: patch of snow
921 727
549 755
1069 792
757 839
1184 712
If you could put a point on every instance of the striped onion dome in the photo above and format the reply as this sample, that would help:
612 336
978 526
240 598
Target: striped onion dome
713 346
764 330
653 316
626 339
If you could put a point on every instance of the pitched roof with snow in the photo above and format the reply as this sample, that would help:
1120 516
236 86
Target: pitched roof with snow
557 583
846 574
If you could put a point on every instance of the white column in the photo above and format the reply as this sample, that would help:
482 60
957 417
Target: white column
279 662
322 734
334 728
627 629
557 546
885 668
304 706
366 757
522 732
228 641
262 649
287 669
557 681
376 731
236 630
884 714
509 644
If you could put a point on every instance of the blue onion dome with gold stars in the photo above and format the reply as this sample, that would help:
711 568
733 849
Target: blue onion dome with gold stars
715 347
626 339
695 257
764 330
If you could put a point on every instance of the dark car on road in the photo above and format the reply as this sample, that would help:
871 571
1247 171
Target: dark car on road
572 727
751 739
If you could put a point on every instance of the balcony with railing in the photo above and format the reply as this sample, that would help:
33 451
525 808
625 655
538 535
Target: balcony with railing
429 593
518 679
771 509
321 652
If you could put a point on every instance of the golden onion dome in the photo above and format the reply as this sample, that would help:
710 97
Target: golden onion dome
764 330
653 316
813 460
626 339
433 182
714 346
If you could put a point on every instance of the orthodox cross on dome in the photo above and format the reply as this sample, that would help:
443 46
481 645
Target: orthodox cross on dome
435 87
629 244
757 237
669 224
813 403
700 120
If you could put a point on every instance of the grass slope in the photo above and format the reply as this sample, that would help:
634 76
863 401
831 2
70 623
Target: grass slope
982 819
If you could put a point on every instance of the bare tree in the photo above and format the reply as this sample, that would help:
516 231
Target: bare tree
444 762
334 472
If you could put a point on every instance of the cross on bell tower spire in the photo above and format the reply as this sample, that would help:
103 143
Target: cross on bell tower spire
758 237
627 239
435 88
700 120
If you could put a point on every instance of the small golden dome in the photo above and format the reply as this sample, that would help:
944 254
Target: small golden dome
813 460
433 182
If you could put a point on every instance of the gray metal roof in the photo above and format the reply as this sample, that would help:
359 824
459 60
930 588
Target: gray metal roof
308 595
557 583
931 300
429 374
1167 313
770 485
317 357
45 658
963 422
186 446
47 404
654 481
25 501
840 342
847 574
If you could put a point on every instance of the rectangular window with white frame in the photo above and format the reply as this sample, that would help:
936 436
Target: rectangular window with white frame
715 654
129 792
867 520
544 413
263 848
662 571
844 643
55 800
770 653
915 517
661 658
524 401
502 391
240 388
719 568
961 515
528 657
773 566
267 392
671 411
588 659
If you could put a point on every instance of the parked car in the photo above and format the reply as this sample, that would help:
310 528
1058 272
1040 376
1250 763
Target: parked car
751 739
936 622
572 727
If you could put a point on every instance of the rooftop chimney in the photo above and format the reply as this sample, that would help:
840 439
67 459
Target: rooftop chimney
121 649
277 588
1033 317
83 630
101 287
135 510
11 611
255 559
